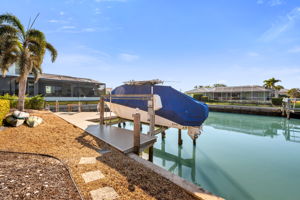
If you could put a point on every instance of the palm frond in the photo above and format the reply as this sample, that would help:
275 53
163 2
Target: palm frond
36 73
52 51
13 20
8 30
33 33
6 61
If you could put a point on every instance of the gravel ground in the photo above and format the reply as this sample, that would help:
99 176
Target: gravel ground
63 140
34 177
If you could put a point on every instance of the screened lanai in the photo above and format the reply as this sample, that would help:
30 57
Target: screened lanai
253 93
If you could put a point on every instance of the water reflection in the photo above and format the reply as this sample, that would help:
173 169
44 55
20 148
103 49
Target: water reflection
222 157
256 125
177 160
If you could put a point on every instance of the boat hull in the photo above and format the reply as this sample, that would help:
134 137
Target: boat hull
127 112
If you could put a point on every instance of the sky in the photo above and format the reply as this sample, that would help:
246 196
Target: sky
182 42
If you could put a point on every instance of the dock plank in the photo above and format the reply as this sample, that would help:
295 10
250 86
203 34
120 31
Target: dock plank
121 139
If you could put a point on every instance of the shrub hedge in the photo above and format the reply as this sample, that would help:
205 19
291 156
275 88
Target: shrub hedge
277 101
36 102
197 96
204 98
4 109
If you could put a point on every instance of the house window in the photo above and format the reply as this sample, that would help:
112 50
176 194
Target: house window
48 89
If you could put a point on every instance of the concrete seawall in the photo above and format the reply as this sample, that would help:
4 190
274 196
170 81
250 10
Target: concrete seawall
270 111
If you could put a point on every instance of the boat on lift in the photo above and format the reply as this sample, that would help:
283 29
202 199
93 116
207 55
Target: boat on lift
173 109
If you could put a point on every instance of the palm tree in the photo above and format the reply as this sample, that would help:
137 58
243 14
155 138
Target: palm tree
24 48
270 84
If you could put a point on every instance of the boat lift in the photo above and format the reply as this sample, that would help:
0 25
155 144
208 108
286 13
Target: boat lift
289 106
151 118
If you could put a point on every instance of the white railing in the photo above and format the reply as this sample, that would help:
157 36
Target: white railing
71 98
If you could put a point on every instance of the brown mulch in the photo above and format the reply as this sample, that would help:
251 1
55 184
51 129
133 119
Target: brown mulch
58 138
24 176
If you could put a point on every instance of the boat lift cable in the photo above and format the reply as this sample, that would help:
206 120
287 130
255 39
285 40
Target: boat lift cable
49 156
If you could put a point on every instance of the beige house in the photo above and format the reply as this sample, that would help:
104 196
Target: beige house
250 93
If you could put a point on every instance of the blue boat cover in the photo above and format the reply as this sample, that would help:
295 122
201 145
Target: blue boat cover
176 106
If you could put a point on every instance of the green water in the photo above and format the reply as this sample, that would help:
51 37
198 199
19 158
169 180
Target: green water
238 157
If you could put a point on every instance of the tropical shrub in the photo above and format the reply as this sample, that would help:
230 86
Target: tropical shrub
277 101
13 99
294 93
204 98
4 109
36 102
197 96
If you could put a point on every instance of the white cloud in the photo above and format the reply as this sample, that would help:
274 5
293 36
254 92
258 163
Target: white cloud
88 30
252 54
128 57
271 2
61 13
79 62
275 2
68 27
294 50
259 1
58 21
74 29
97 11
284 24
110 1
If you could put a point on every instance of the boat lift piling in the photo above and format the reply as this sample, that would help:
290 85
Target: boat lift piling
179 137
137 132
137 128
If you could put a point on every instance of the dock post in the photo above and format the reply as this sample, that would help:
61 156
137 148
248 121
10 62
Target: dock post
150 154
194 141
79 106
151 114
136 130
101 110
163 135
119 125
179 137
56 106
288 111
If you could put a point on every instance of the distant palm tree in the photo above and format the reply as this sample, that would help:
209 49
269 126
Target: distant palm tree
24 48
270 84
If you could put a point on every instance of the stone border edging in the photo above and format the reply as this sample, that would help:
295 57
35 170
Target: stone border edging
189 187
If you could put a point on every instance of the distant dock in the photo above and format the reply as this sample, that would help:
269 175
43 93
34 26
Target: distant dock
270 111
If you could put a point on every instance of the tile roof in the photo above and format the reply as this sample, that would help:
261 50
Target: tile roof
67 78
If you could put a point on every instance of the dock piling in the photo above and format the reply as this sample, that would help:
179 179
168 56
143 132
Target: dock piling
101 110
79 106
163 135
150 154
136 130
56 106
194 141
179 137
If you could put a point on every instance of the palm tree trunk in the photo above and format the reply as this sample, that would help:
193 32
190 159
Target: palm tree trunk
22 92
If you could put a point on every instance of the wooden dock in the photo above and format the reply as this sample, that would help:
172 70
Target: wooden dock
121 139
289 106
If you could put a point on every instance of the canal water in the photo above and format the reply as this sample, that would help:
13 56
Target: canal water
238 157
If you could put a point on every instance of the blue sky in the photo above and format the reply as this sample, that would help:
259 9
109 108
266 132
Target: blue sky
183 42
